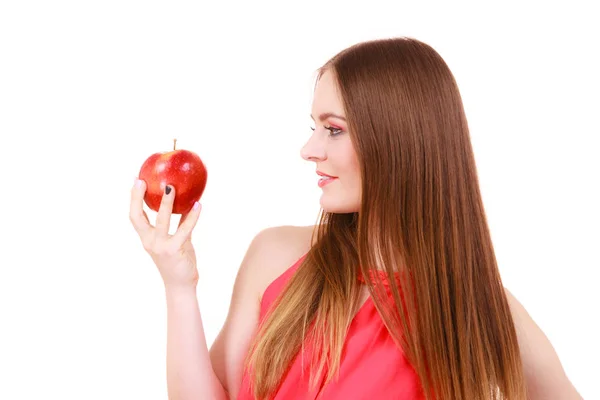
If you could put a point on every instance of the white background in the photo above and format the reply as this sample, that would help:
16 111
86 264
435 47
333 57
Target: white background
88 90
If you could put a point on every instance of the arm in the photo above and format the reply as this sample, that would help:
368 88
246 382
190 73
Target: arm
188 356
189 369
233 341
544 374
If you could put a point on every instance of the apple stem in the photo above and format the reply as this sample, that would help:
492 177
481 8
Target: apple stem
174 143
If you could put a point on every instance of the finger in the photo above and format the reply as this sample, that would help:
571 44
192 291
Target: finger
186 227
146 218
183 217
136 208
182 220
163 218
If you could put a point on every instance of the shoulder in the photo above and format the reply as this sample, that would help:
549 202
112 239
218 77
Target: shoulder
273 250
269 254
543 370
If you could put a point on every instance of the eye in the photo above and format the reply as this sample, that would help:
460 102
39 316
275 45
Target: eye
334 131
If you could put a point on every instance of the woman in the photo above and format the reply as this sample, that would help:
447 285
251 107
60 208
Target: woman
395 294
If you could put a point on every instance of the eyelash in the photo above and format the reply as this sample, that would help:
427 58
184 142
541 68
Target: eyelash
333 130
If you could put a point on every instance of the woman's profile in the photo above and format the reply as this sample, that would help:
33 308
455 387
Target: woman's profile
395 293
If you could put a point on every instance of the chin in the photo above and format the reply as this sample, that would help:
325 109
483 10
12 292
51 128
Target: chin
338 206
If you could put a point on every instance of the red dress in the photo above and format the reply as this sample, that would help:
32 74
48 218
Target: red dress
372 366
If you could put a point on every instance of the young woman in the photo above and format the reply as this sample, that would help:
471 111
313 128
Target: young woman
395 294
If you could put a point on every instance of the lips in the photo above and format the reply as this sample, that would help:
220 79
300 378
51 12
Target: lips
325 179
325 175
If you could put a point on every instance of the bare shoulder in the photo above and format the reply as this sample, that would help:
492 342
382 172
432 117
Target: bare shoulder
269 254
275 249
543 370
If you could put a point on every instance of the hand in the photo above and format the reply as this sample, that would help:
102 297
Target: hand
174 255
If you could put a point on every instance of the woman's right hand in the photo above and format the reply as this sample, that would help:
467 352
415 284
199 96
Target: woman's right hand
174 255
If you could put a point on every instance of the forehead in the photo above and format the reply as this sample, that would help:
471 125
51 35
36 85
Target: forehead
326 97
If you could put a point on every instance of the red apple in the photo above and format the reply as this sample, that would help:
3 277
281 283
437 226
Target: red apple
181 169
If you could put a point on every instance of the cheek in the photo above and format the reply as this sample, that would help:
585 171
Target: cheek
353 166
356 167
343 158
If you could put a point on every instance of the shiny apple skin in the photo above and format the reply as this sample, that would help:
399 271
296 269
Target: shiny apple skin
181 169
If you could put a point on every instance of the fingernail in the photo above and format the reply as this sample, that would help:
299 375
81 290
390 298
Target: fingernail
196 205
167 189
138 182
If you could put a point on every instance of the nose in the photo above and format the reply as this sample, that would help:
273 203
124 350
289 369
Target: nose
313 149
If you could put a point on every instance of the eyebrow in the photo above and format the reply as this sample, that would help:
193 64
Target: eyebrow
328 115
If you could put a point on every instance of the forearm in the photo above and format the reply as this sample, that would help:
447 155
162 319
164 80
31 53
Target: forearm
189 370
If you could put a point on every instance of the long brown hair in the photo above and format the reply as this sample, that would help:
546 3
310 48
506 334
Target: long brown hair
422 215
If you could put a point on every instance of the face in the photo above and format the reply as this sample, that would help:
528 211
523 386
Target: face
331 149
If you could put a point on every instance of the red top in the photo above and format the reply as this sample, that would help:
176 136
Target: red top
372 366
